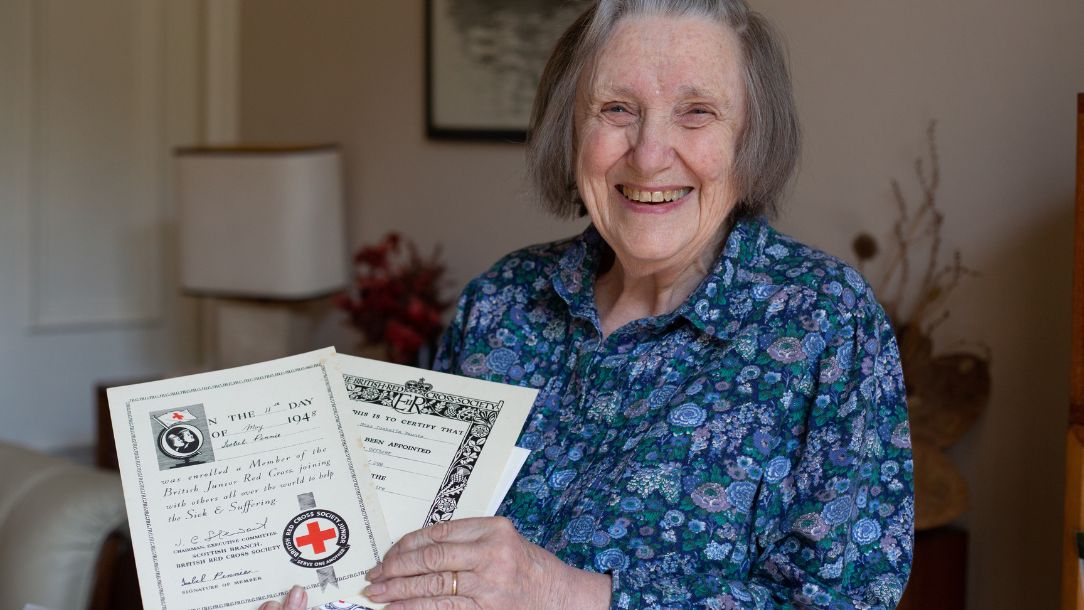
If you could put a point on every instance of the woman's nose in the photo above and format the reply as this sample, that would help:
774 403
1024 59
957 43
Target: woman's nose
651 148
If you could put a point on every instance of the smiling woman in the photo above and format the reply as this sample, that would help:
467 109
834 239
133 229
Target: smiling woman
720 420
650 126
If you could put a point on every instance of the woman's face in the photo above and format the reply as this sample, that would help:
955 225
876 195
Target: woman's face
657 124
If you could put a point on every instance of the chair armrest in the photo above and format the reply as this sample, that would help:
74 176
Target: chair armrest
55 517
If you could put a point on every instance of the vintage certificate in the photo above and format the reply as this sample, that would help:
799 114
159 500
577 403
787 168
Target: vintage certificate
437 444
240 483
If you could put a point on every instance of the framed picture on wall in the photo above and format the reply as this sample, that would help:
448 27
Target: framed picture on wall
483 62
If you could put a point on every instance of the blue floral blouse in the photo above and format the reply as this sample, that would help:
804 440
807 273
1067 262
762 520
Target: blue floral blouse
749 450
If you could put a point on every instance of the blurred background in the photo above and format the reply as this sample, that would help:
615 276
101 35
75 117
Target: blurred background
95 97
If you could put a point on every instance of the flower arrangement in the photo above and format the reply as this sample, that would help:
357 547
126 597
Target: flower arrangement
394 298
946 392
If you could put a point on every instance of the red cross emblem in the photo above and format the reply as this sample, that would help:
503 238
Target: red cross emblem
177 416
316 537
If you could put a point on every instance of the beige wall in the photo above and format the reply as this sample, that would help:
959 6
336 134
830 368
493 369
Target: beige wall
999 75
352 72
1001 78
93 96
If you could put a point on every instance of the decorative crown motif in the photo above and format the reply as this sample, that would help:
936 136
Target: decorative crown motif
418 387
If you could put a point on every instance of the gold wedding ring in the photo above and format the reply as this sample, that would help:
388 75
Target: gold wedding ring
455 583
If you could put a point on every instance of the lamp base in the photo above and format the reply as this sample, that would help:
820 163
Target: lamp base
254 330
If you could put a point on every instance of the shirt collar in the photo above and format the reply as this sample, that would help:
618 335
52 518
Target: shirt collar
576 272
718 306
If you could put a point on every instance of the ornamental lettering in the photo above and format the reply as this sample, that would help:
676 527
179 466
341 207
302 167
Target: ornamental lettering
418 398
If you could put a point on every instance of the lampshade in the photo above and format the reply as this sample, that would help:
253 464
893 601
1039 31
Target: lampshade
261 222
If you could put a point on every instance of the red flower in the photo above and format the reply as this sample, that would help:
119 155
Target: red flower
395 297
402 339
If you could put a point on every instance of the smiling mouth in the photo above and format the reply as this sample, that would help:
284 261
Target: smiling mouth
653 196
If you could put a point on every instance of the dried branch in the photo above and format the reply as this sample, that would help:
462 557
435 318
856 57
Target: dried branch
925 223
929 187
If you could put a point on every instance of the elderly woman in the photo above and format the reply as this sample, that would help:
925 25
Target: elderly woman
721 418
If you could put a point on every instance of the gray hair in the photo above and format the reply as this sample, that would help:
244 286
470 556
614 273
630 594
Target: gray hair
767 149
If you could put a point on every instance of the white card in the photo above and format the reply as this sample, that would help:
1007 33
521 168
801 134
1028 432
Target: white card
240 483
511 469
438 444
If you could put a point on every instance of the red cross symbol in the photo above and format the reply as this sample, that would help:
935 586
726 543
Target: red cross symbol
316 537
177 415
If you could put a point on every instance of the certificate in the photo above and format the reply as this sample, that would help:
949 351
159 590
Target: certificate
437 444
240 483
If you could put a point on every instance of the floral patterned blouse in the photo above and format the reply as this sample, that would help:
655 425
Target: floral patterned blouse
748 450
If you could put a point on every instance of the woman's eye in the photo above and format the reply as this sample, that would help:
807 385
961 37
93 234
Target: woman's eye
697 116
618 114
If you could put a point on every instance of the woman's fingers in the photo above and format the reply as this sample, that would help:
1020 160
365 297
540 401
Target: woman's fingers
435 603
462 530
427 559
296 599
437 584
424 568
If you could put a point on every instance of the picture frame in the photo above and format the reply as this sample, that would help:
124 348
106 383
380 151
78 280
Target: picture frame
483 61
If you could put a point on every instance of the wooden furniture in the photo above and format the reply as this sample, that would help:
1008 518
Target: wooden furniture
117 586
1072 596
105 453
939 575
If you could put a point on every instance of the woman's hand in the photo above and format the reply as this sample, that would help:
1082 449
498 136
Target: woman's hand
296 599
480 564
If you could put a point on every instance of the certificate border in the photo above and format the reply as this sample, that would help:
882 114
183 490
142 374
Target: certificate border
143 492
480 414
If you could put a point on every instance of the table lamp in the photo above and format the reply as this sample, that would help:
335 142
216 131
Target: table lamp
262 240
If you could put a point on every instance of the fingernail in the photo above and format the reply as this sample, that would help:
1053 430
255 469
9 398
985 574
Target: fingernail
374 589
373 574
293 599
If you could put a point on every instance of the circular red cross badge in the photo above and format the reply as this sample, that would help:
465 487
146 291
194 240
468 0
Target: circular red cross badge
316 538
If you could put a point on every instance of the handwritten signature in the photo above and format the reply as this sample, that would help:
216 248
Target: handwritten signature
220 534
202 578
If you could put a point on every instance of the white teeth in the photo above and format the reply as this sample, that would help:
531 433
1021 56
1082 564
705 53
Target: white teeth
654 196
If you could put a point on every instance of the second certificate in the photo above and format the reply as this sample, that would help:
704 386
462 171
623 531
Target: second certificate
437 444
